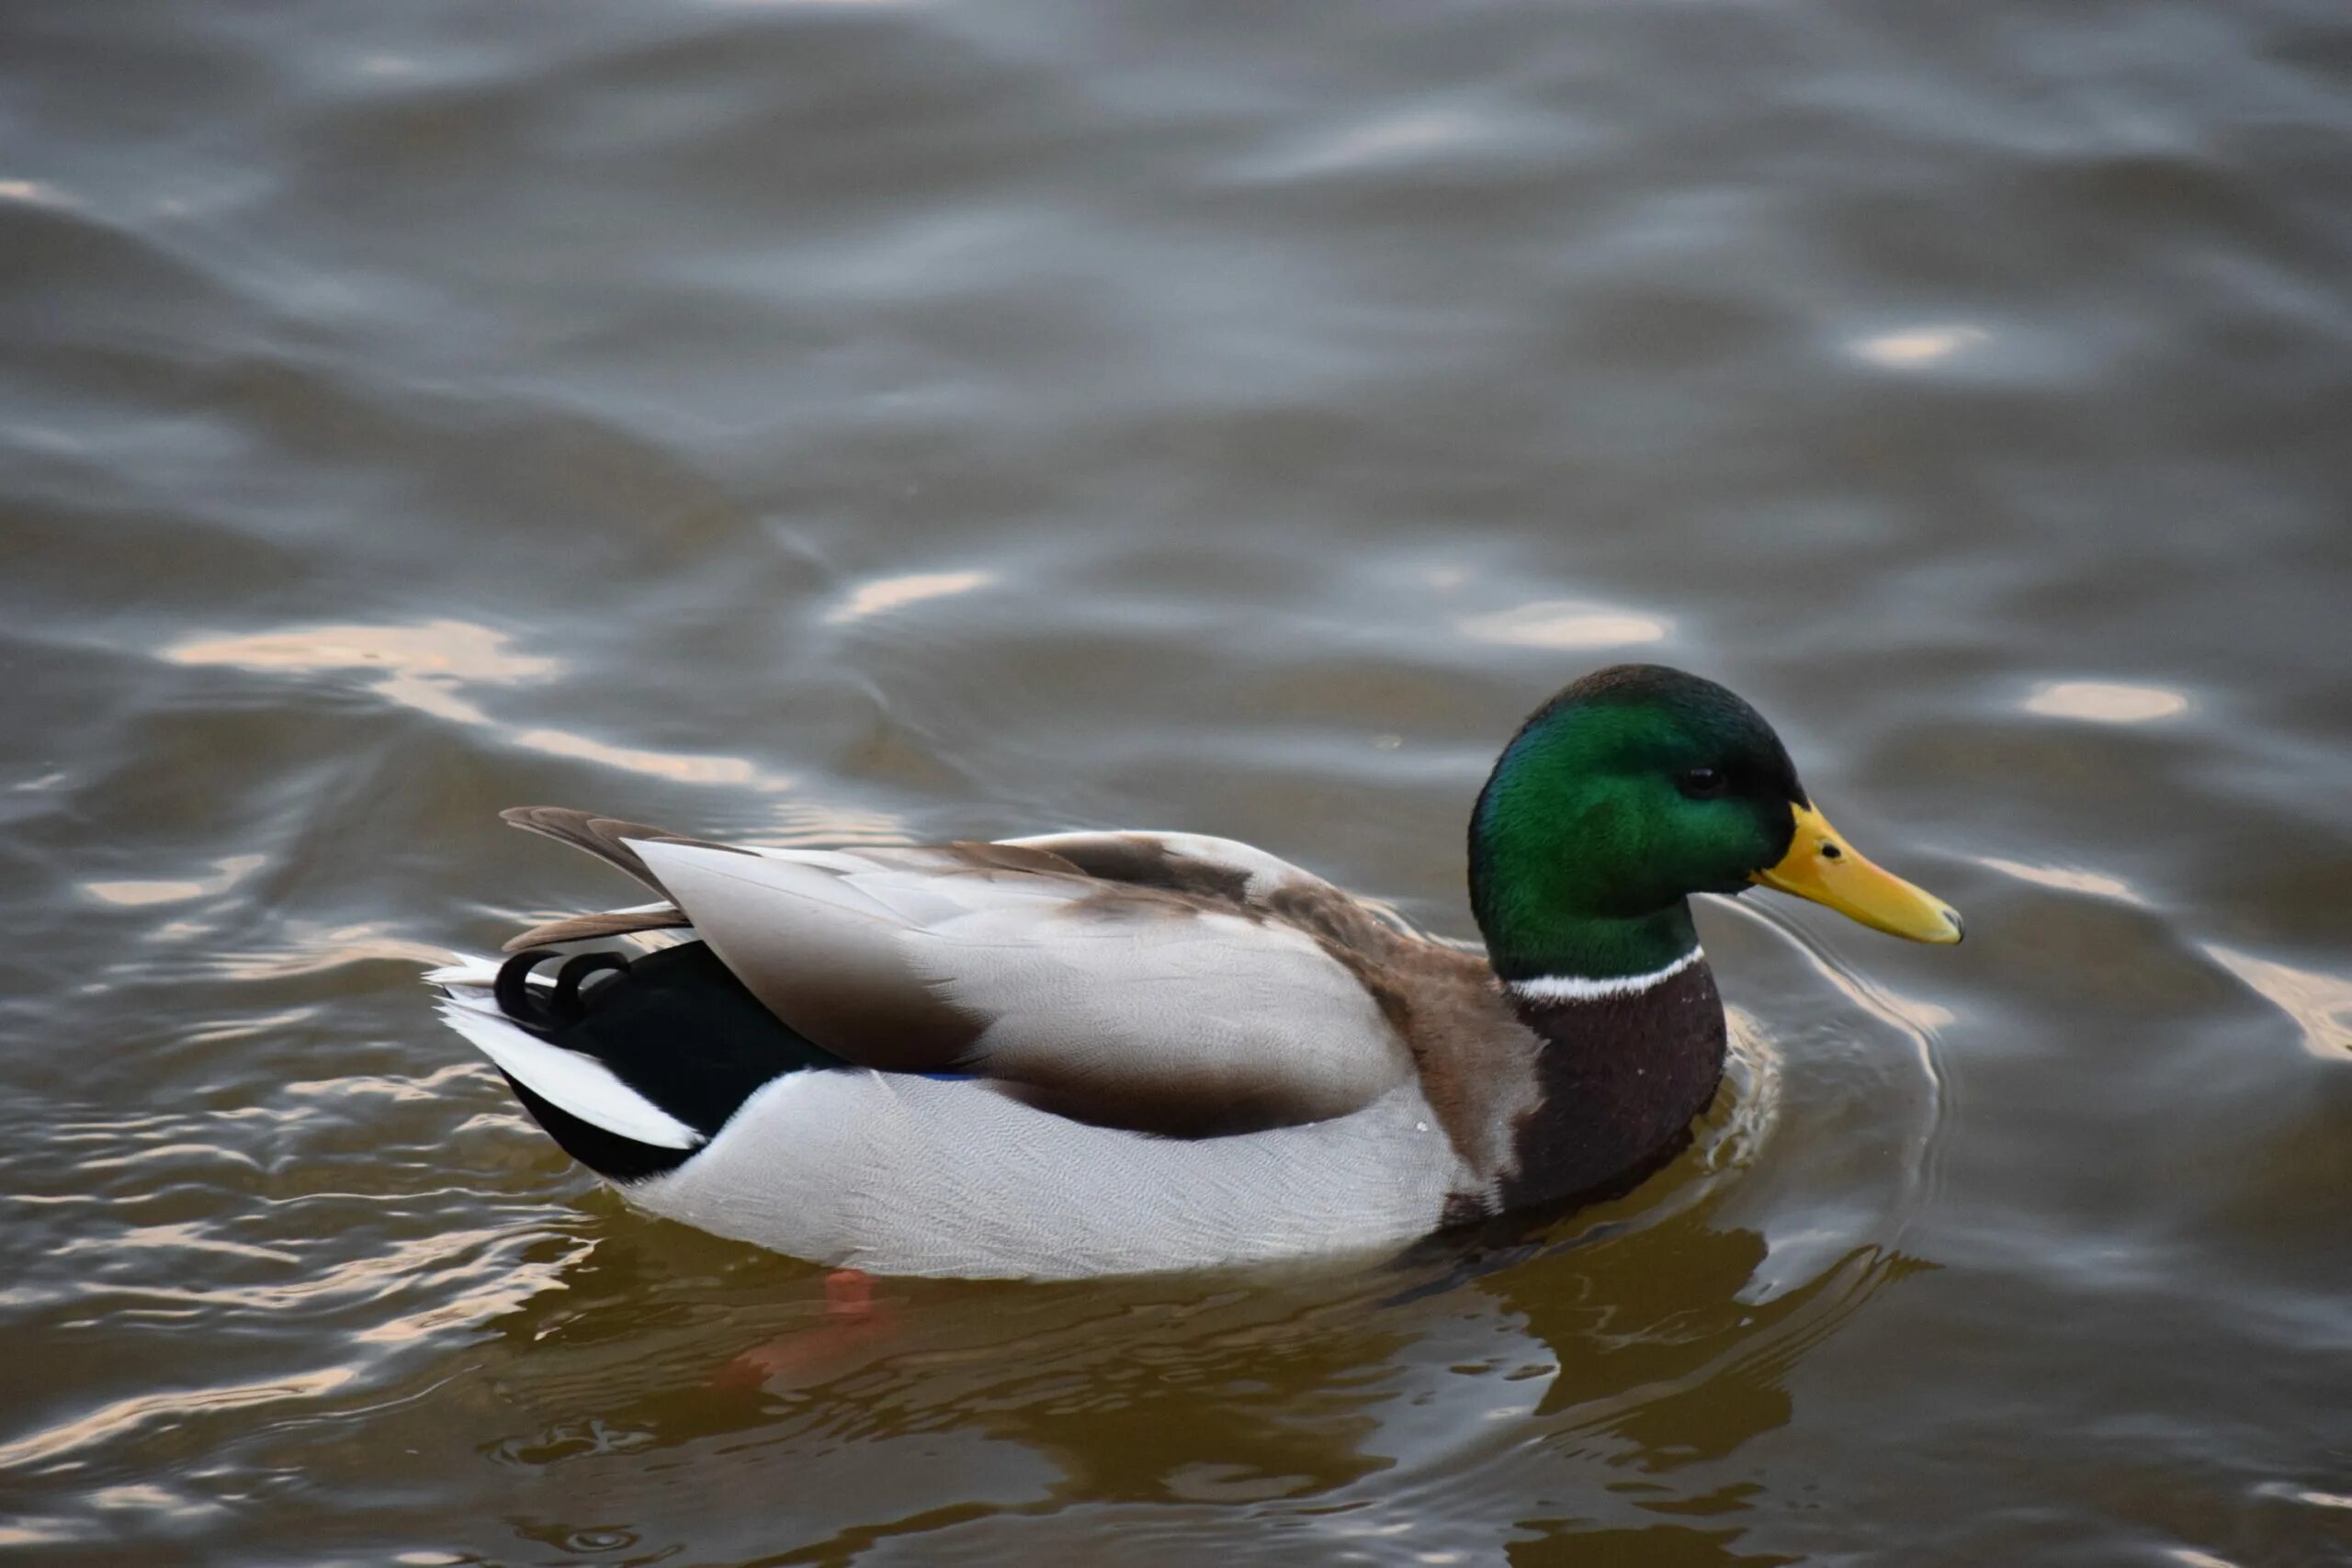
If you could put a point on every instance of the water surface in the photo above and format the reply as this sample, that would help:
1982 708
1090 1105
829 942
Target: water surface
886 422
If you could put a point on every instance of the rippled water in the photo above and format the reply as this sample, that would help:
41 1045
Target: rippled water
873 422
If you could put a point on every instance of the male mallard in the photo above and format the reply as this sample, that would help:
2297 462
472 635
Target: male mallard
1102 1053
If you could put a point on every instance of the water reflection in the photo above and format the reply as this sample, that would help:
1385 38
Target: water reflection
1339 1400
681 766
422 667
2104 701
2067 879
2320 1004
227 872
35 193
805 823
2294 1494
1916 346
309 948
890 593
1564 624
109 1422
1416 133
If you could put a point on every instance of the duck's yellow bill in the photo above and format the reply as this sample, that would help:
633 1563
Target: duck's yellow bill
1821 866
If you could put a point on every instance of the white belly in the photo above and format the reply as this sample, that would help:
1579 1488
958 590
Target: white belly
906 1175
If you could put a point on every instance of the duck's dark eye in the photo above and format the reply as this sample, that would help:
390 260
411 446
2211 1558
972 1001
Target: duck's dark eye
1702 784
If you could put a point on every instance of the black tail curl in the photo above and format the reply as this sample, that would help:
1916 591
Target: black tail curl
543 1013
674 1024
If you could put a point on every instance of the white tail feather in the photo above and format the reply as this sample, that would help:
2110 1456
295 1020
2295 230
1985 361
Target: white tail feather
468 970
579 1084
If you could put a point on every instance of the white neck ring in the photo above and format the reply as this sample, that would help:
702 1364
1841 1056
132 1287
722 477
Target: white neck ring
1578 988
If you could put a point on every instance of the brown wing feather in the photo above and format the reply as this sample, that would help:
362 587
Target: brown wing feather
1143 860
604 836
980 854
583 928
607 837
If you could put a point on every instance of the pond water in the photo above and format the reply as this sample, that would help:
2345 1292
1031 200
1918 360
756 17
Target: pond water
874 423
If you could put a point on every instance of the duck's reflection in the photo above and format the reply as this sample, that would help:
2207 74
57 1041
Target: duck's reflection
1570 1381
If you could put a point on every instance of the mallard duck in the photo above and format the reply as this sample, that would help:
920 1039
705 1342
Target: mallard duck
1096 1053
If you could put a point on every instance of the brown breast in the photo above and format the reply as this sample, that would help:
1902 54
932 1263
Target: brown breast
1619 1080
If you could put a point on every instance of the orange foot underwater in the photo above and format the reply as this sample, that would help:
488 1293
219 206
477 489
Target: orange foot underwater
852 1321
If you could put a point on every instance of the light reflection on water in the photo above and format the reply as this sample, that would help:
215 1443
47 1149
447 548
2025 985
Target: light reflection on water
2105 702
425 666
2067 878
1914 346
114 1420
39 193
2320 1004
228 870
1565 625
895 592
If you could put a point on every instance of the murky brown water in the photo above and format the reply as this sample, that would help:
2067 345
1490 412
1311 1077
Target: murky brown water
822 421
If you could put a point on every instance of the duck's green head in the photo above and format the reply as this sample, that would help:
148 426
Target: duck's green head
1632 789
